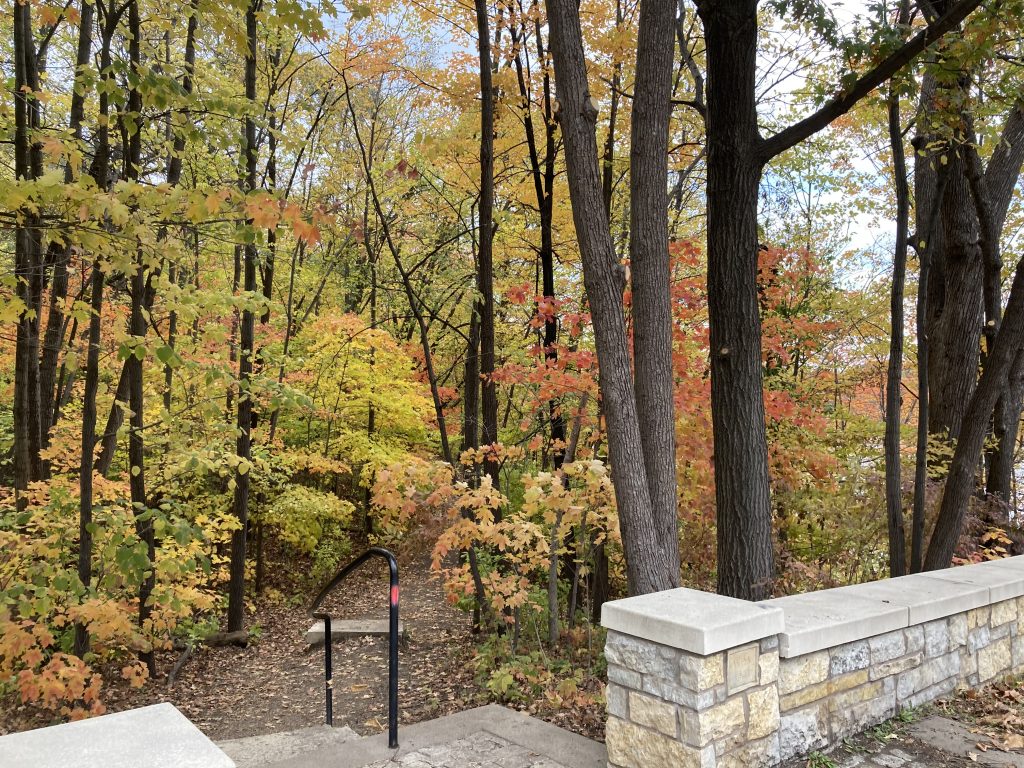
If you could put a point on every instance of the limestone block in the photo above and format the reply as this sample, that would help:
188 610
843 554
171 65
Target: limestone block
1017 653
803 731
1003 613
978 617
639 655
978 638
849 658
927 674
653 713
845 699
768 667
801 671
895 666
931 693
851 719
958 630
887 647
617 700
829 687
763 712
624 677
631 746
915 638
714 723
741 668
680 694
936 638
994 660
755 754
699 673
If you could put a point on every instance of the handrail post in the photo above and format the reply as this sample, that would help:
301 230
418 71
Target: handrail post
328 671
393 656
392 638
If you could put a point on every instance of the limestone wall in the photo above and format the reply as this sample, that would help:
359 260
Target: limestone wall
702 680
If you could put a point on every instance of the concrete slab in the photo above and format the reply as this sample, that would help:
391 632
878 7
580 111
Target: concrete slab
832 617
926 598
256 751
158 736
695 621
564 748
342 629
1003 582
957 739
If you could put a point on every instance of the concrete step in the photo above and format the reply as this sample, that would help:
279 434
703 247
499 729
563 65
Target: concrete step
157 736
270 748
345 628
452 741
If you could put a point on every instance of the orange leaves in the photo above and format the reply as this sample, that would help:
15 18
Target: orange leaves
135 673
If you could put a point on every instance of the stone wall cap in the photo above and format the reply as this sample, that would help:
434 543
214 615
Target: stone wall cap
691 620
926 598
831 617
1003 578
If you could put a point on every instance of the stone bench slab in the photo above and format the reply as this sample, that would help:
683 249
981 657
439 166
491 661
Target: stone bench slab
158 736
345 628
695 621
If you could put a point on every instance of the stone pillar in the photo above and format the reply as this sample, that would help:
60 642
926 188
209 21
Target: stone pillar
692 681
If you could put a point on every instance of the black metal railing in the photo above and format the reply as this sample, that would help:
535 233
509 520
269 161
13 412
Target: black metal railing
392 638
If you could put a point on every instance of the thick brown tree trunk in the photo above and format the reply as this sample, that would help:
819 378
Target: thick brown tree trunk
960 480
745 551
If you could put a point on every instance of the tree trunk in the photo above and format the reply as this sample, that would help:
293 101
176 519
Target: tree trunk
99 170
960 480
894 378
745 550
485 261
243 444
648 568
651 270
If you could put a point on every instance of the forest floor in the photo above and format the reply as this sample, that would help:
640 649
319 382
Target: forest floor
276 683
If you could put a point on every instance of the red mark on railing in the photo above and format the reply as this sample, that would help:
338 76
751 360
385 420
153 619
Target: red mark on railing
394 595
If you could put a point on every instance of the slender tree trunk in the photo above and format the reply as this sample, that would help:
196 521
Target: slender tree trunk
28 262
894 378
651 270
55 323
243 444
648 568
100 172
137 330
485 257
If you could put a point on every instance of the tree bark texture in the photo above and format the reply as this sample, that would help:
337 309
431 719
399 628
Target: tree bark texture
745 547
648 568
650 266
